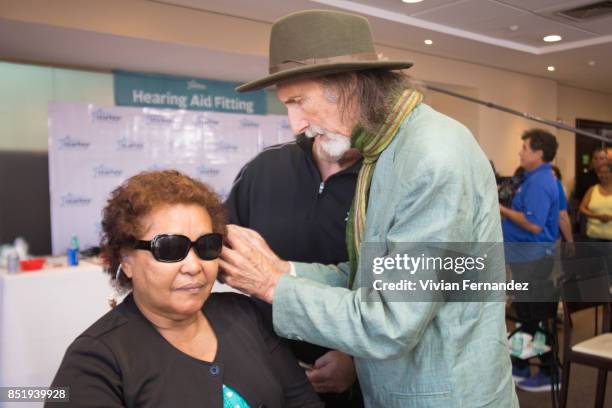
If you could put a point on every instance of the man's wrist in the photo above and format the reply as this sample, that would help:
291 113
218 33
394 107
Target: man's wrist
268 295
504 211
284 268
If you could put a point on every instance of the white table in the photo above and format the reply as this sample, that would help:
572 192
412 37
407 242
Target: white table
41 313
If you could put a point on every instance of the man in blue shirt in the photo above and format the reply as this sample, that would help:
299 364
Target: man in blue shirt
530 228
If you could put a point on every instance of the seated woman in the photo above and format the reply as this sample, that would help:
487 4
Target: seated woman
597 206
171 343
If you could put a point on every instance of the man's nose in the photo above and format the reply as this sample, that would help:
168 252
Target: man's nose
297 121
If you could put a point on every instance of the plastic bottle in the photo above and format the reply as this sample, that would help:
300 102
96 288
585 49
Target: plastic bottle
517 342
539 340
73 252
12 262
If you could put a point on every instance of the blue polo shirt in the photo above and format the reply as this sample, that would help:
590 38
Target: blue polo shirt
538 199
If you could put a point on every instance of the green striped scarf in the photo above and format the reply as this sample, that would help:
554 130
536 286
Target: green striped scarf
371 147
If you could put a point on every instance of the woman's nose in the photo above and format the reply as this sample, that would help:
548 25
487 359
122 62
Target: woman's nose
192 263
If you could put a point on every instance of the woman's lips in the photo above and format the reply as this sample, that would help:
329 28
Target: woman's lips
192 287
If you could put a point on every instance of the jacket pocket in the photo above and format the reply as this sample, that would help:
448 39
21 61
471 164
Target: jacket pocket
436 399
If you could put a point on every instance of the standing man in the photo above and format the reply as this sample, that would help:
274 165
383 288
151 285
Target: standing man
423 179
531 228
297 196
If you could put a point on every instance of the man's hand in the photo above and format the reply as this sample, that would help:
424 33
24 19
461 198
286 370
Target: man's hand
568 249
248 264
518 218
333 372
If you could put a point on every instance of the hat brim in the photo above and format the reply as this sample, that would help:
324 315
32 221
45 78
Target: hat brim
316 70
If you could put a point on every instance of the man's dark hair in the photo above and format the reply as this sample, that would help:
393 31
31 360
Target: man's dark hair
599 149
540 139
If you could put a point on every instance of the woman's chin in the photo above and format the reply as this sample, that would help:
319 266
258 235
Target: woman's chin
190 301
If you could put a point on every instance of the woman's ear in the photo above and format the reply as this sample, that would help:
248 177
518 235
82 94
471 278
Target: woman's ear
127 266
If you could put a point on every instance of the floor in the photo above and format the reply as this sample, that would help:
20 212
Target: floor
583 379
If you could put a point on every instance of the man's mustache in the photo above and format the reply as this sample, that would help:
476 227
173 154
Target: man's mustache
314 130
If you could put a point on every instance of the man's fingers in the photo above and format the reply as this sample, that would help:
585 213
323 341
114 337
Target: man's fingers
247 236
221 276
230 260
233 263
231 277
254 237
226 268
324 360
227 272
316 376
321 389
244 239
236 237
246 267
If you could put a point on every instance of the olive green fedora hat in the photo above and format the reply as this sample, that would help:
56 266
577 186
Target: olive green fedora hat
320 42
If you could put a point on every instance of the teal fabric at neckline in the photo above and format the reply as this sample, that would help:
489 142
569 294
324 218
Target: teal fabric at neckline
231 399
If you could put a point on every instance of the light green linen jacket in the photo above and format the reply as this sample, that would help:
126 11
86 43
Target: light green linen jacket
432 184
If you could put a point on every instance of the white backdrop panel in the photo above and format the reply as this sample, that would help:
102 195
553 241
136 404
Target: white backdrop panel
93 149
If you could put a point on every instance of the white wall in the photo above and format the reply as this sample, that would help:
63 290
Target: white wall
497 132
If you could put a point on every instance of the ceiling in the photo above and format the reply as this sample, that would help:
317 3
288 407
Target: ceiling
504 34
476 31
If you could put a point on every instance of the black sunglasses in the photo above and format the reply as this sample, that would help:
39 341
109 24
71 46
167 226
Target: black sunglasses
174 248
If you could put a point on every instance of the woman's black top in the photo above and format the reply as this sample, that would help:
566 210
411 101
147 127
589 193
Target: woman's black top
123 361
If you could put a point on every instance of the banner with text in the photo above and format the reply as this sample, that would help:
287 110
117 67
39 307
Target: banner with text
174 92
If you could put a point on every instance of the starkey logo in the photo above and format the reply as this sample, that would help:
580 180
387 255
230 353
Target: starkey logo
74 200
248 123
157 119
205 170
193 84
223 146
202 120
101 115
72 143
106 171
124 144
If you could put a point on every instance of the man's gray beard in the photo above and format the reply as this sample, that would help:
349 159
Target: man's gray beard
334 146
